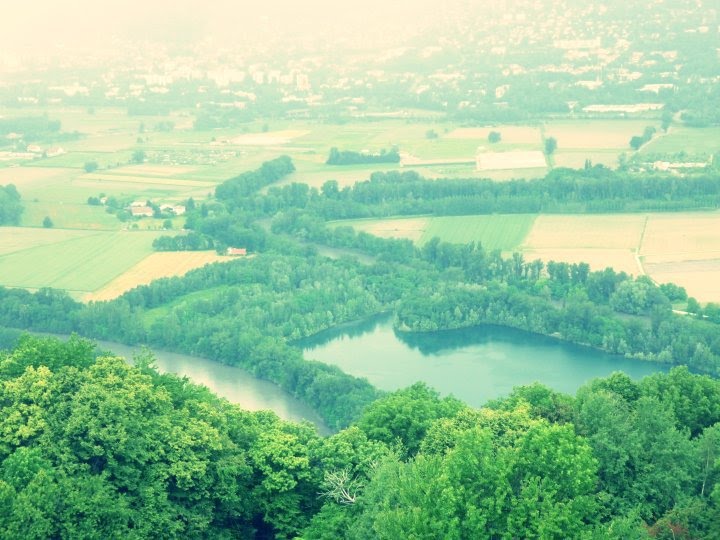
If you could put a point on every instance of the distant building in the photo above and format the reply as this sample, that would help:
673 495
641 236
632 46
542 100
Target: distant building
141 211
236 252
177 209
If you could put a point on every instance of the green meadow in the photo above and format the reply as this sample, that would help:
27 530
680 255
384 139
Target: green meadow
76 263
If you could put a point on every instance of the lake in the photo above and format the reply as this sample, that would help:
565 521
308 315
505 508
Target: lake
473 364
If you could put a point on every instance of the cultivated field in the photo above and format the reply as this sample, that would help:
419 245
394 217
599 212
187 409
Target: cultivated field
596 134
599 240
14 239
504 232
608 231
77 263
155 266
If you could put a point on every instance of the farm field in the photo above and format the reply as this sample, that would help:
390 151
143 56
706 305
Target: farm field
683 248
597 140
504 232
14 239
155 266
79 263
183 163
694 142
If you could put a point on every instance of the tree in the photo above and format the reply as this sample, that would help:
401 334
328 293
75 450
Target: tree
90 166
666 120
636 142
405 416
494 137
138 156
550 145
47 222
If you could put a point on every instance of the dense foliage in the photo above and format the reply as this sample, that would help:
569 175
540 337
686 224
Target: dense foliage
349 157
249 182
248 312
593 190
30 128
93 447
10 206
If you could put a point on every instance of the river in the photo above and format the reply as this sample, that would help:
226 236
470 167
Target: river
473 364
233 383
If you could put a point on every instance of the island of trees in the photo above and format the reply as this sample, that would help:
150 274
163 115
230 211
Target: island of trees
349 157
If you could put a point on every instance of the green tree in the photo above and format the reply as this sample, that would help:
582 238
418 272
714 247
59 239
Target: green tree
405 416
90 166
550 145
494 137
138 156
47 222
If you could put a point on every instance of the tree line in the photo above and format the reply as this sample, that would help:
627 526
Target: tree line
350 157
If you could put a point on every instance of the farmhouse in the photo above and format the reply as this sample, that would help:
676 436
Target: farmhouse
236 252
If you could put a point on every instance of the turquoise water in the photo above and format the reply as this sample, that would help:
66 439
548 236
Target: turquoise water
473 364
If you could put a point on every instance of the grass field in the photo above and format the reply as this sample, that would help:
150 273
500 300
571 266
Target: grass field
504 232
698 142
82 263
155 266
14 239
69 216
596 134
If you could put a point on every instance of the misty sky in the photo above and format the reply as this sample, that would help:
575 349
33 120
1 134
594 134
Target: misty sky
44 24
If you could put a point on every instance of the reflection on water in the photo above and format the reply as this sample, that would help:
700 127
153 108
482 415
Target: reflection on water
474 364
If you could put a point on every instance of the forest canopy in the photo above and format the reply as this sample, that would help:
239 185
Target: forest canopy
92 446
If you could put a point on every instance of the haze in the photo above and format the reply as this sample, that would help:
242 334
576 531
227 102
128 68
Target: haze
84 23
